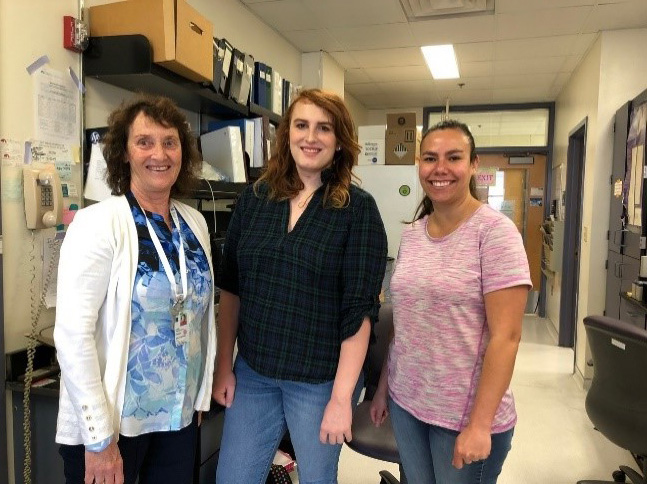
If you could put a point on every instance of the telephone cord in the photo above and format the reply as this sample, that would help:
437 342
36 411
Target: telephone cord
37 305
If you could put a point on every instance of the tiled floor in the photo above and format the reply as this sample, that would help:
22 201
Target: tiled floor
554 441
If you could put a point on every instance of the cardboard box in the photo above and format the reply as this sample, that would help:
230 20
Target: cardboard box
371 141
181 38
402 139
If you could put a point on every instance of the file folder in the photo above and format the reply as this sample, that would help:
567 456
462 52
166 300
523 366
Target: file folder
228 50
277 93
268 87
246 81
235 75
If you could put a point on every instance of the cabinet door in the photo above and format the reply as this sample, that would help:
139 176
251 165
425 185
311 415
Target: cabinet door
632 313
631 242
621 127
629 270
612 303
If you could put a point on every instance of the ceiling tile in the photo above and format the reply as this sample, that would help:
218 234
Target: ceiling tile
356 76
475 69
402 73
342 13
538 47
536 65
510 6
285 15
474 51
374 37
407 56
570 63
454 30
469 84
363 89
624 15
520 95
526 80
541 23
345 59
406 86
312 40
464 97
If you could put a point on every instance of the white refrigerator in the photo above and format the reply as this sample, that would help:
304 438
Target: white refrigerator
397 191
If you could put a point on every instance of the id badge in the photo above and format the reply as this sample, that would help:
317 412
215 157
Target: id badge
181 329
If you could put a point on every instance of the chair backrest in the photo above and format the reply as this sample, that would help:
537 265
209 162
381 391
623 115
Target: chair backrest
617 400
378 349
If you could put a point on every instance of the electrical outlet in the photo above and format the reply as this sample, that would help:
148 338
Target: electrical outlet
75 34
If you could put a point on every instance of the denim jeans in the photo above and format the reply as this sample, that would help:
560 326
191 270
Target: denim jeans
262 410
426 452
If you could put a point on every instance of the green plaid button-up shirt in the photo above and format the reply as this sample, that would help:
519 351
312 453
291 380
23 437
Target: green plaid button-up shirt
302 292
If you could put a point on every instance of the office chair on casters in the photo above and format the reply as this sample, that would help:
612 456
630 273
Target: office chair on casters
617 400
378 443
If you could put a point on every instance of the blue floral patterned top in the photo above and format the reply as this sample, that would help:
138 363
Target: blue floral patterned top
163 378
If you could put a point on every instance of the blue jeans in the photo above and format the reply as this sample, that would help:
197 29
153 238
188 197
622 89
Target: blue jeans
427 450
262 410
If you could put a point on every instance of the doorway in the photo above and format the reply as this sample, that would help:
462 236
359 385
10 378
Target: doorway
572 231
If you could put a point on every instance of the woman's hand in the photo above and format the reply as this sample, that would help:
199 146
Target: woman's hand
472 444
336 422
104 466
224 386
379 408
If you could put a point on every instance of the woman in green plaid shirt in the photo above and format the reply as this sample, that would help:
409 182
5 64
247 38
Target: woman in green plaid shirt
302 269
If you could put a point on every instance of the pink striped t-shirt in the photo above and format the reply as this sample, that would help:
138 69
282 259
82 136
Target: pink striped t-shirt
441 331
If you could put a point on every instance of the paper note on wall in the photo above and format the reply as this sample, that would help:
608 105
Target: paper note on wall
56 106
96 187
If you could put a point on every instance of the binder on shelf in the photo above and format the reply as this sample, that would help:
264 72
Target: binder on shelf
277 93
258 83
258 160
218 59
247 132
223 149
268 87
246 81
286 95
228 51
235 75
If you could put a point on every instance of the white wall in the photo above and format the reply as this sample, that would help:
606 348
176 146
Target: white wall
357 110
28 30
613 72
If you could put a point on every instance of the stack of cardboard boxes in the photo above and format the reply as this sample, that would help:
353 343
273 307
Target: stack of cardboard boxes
181 38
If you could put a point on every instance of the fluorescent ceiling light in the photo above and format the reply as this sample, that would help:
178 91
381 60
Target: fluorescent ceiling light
441 61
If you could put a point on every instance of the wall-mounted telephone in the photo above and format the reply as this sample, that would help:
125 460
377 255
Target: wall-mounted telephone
43 197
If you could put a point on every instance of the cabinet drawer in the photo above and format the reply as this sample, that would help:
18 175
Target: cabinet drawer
632 314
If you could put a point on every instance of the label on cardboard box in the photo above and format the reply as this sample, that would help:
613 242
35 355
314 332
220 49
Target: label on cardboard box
401 139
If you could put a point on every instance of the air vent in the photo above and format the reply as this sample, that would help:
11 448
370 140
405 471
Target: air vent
430 9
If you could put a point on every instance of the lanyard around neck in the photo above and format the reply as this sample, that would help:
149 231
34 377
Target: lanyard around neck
178 297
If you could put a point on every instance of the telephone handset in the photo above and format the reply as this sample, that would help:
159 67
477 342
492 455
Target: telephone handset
43 197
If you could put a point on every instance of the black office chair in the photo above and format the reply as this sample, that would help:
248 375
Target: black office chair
617 400
376 442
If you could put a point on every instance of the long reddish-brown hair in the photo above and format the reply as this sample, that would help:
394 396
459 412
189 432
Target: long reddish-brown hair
281 174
